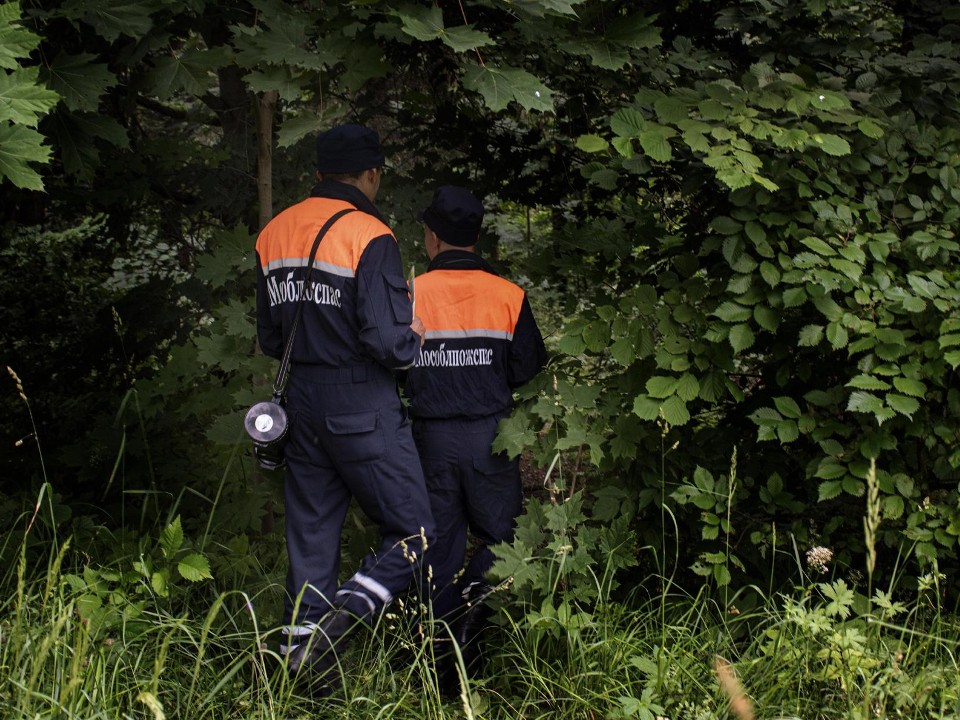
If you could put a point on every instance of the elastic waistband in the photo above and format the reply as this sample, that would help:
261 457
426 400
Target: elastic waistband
332 375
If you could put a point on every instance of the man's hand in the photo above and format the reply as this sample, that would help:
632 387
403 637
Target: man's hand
418 328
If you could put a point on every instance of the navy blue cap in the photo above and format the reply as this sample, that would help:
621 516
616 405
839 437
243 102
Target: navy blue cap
455 215
348 149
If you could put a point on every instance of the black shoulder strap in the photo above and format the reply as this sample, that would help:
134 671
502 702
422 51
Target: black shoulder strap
281 381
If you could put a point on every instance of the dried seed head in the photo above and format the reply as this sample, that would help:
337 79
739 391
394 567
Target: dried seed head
16 379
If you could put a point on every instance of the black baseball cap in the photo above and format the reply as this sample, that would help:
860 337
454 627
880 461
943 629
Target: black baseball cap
348 149
455 215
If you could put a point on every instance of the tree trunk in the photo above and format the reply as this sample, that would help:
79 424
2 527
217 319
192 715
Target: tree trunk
266 104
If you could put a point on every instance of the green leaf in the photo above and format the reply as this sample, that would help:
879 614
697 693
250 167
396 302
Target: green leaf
16 42
837 335
422 23
297 127
624 146
592 143
23 100
540 8
863 402
741 337
671 110
675 411
500 86
830 469
893 507
868 382
818 246
733 312
770 273
623 351
20 146
787 431
646 408
688 387
636 31
794 297
949 340
869 128
830 144
596 335
80 80
791 139
853 486
627 122
193 70
829 489
195 567
159 582
605 178
810 336
655 143
766 317
914 304
661 386
171 538
464 37
601 53
721 575
725 226
113 19
787 407
514 435
903 404
910 387
841 599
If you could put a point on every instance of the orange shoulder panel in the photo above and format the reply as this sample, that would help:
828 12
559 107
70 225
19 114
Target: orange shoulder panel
455 301
286 240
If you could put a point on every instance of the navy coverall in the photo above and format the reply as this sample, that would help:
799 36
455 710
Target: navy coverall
481 342
349 432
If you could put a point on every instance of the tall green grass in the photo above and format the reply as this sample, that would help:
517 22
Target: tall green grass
823 651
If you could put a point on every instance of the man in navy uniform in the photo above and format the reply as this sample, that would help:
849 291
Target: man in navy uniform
481 343
350 435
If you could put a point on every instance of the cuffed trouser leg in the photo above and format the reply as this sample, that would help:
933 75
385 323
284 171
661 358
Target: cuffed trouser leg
350 437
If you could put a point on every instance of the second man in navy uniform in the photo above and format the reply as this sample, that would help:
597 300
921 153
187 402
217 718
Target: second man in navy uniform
481 343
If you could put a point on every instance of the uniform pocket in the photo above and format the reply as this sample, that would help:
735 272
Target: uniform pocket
399 300
356 436
437 473
495 465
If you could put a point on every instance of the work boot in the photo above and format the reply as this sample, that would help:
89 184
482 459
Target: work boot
472 625
317 655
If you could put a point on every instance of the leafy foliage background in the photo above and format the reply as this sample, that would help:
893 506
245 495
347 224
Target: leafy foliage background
737 221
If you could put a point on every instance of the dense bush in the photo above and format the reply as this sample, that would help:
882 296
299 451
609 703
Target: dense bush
736 220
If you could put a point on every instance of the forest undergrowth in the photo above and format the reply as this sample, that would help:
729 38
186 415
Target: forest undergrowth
85 637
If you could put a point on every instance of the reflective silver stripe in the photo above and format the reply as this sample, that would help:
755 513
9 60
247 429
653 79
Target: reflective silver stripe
299 630
366 599
301 262
460 334
368 583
